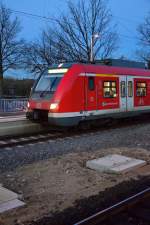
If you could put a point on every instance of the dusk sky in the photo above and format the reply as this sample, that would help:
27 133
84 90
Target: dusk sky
127 15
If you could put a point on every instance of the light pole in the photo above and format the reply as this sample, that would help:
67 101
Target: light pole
93 38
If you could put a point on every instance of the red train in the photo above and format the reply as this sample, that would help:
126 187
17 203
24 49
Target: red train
72 93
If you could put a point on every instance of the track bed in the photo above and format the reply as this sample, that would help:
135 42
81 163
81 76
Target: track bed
53 181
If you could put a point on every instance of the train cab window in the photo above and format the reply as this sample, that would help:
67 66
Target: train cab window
91 83
109 89
123 89
141 89
130 89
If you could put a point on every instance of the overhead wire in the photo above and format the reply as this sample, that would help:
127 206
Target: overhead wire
33 15
55 20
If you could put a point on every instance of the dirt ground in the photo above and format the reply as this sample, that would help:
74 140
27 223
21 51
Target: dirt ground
55 184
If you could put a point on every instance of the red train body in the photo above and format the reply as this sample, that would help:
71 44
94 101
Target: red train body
67 96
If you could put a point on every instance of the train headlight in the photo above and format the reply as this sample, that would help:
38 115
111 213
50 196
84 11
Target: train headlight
53 106
28 105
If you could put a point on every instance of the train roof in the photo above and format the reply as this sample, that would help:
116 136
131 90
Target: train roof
105 69
116 70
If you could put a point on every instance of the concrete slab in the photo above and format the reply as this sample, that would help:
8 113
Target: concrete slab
10 205
6 195
8 200
115 164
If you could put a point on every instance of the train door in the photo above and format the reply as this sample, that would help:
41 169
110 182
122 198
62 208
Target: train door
90 93
123 93
126 93
130 93
141 92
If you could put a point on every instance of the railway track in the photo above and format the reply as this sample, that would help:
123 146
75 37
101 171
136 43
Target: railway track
15 141
54 134
134 210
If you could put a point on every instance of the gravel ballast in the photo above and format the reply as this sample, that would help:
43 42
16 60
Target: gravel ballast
132 136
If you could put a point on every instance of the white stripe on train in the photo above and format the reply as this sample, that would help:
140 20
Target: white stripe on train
95 112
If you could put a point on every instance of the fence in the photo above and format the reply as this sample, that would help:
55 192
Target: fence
13 105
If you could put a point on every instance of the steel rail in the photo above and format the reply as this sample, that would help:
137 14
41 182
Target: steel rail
113 210
33 138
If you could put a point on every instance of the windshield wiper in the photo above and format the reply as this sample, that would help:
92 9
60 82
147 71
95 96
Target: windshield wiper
49 86
54 81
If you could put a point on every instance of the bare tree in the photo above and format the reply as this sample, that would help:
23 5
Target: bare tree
39 55
9 45
144 39
77 29
71 36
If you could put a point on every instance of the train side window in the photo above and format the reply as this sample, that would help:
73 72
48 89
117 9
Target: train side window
123 89
130 89
141 89
109 89
91 83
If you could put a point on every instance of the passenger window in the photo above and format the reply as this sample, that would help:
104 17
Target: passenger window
109 89
123 89
130 89
141 89
91 83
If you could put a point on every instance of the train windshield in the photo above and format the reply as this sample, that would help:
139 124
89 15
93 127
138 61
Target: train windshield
48 83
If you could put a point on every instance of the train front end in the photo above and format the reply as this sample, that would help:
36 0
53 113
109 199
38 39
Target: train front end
41 100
